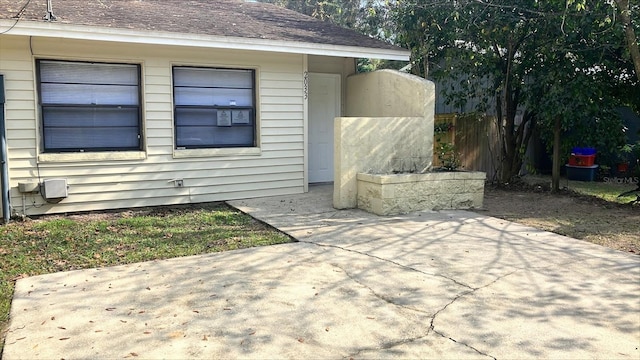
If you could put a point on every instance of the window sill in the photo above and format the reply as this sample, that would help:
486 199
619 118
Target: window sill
188 153
92 156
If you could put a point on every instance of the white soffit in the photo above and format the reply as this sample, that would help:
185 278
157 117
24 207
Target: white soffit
66 31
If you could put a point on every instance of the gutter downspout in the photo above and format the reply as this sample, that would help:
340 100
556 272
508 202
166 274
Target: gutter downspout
4 172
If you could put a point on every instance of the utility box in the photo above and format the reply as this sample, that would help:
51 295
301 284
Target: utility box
54 190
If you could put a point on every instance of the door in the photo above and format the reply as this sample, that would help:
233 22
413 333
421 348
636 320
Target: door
324 106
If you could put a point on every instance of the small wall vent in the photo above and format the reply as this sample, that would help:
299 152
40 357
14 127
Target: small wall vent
54 190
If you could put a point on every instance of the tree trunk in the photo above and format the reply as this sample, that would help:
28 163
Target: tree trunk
504 162
632 43
514 142
555 173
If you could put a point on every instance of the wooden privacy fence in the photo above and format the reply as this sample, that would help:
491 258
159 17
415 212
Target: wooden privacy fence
475 138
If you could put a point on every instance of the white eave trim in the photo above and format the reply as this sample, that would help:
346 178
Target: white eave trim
66 31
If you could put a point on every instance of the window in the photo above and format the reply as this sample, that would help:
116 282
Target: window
214 108
89 106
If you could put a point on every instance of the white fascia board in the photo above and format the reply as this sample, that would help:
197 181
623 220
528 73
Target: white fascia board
66 31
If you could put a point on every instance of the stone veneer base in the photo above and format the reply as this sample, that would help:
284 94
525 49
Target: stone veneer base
393 194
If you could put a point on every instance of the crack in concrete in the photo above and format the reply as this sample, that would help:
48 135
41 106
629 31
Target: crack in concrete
433 319
389 261
465 345
381 297
391 345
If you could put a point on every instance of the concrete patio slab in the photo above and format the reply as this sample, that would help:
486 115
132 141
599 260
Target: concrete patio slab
426 285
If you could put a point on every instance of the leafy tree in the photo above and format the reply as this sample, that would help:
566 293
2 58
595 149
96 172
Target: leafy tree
549 64
369 17
341 12
556 65
576 81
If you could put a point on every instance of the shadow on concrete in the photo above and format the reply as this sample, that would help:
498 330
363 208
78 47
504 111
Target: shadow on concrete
448 284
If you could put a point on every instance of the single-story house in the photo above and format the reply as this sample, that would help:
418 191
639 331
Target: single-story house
125 103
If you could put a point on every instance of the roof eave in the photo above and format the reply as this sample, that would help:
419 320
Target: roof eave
81 32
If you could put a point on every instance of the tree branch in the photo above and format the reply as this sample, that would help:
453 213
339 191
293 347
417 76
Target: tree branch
630 35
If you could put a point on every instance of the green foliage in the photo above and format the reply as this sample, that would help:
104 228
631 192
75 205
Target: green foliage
342 12
626 151
448 156
444 127
530 62
369 17
353 14
578 82
368 65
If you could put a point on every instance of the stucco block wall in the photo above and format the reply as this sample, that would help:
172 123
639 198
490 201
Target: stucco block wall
376 145
405 193
116 180
388 128
390 93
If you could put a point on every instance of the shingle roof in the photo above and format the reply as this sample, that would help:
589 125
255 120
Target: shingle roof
234 18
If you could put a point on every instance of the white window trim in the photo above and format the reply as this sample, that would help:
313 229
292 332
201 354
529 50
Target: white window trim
92 156
187 153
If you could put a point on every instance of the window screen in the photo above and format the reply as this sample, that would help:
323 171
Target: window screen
214 107
89 106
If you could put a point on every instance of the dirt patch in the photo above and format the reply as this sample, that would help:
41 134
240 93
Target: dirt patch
616 226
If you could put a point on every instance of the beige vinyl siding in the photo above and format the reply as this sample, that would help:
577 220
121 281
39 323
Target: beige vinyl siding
93 185
20 103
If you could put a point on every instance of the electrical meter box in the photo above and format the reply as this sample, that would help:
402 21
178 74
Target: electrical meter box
54 189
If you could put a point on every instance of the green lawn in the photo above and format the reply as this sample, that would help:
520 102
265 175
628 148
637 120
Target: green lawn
60 243
607 190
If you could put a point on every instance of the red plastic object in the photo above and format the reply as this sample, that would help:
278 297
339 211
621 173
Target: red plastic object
582 160
623 167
